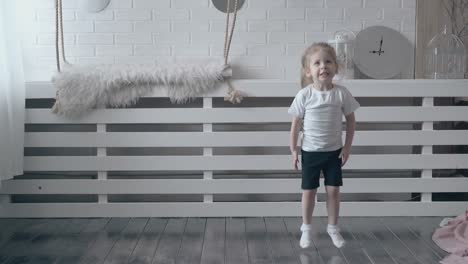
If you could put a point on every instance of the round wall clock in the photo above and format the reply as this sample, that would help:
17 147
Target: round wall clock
381 52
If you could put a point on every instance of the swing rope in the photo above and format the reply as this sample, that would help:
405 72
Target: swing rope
58 37
59 28
228 37
233 95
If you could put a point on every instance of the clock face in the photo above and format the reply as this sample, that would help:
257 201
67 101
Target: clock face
381 52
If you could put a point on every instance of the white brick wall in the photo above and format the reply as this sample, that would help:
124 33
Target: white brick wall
270 34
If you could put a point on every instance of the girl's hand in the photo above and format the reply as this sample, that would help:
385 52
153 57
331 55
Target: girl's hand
295 158
344 155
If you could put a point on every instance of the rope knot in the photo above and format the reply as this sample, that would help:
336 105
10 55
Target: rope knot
234 96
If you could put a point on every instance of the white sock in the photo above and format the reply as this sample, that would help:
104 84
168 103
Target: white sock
305 241
334 233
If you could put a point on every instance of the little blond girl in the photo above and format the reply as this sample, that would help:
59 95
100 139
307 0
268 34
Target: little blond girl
320 105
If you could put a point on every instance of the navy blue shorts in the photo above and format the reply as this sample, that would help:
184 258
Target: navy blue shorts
315 162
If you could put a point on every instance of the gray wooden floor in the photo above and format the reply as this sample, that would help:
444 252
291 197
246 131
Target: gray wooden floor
376 240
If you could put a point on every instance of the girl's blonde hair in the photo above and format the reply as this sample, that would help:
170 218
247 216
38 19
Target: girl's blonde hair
305 60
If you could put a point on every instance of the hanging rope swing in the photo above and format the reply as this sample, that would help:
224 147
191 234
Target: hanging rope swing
234 96
84 87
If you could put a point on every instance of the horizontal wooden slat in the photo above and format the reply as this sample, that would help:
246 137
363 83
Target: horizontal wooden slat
244 115
227 209
234 139
227 186
236 162
278 88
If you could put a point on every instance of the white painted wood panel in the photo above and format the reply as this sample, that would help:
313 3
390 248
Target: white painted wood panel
279 88
233 139
244 115
237 162
228 186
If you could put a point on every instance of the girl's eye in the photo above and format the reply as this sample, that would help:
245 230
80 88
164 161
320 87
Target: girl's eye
316 63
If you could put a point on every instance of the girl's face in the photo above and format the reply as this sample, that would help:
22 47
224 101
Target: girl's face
322 67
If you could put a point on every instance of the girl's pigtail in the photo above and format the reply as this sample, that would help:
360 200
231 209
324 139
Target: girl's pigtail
304 79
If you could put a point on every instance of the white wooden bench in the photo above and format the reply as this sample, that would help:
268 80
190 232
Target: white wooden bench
207 164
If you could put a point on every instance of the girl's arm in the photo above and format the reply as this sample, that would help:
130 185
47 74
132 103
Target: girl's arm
295 127
294 133
350 127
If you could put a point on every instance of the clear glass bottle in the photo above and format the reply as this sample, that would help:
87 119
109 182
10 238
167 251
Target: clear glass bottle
445 57
343 42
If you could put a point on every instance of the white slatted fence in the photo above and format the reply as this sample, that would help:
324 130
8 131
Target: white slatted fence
226 160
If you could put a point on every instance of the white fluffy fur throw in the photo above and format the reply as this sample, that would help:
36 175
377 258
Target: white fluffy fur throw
80 88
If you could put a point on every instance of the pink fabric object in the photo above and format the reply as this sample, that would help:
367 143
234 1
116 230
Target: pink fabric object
453 238
454 259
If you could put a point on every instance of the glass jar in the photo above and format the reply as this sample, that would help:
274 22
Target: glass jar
445 57
343 42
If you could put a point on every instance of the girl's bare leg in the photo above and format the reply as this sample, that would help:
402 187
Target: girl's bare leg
308 204
333 204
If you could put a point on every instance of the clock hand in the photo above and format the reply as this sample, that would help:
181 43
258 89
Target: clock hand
380 47
380 51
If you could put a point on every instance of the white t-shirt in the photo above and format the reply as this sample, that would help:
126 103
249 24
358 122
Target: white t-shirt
322 112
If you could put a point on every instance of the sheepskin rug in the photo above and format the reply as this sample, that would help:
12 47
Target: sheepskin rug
81 88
